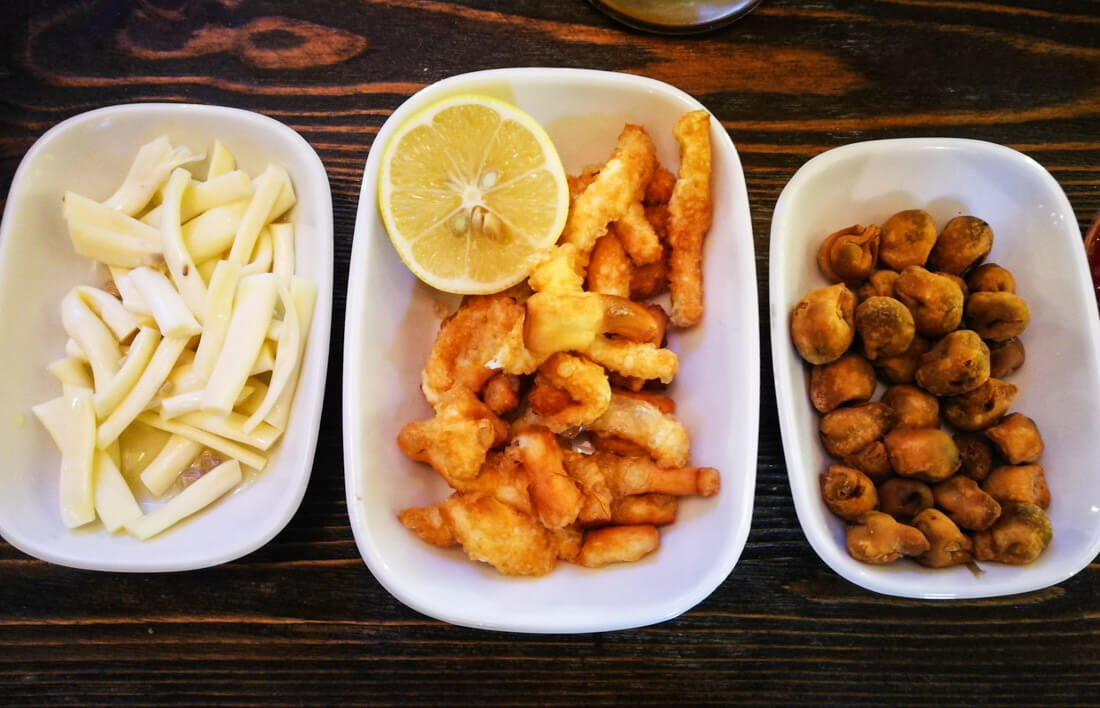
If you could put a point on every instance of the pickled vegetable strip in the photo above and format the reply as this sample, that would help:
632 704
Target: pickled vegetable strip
176 455
286 359
76 207
203 196
212 232
70 421
180 264
204 491
154 162
304 295
164 358
93 337
173 317
108 397
232 427
72 371
261 254
283 235
112 247
252 312
257 214
215 442
221 161
114 502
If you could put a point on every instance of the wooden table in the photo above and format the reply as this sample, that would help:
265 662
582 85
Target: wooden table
302 620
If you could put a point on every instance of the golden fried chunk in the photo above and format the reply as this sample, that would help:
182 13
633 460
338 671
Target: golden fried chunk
936 301
904 498
660 186
558 322
454 441
625 476
1018 483
991 278
957 364
980 408
964 241
881 283
846 431
878 538
903 367
848 492
597 497
689 217
649 280
585 385
501 393
928 454
580 183
618 446
639 238
428 524
555 495
907 239
610 270
640 360
661 402
976 454
849 255
617 544
949 545
823 323
913 408
1005 357
560 271
567 542
966 503
885 326
1017 438
501 477
997 316
495 533
872 461
1018 537
655 509
662 436
848 379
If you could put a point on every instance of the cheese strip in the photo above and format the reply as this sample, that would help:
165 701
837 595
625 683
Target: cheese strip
180 264
131 298
202 492
258 213
286 198
203 196
111 247
176 456
283 263
252 312
221 161
94 338
219 310
154 162
261 254
174 318
70 421
191 401
304 295
164 358
212 232
80 208
114 502
231 427
108 397
71 370
265 360
286 359
227 448
109 309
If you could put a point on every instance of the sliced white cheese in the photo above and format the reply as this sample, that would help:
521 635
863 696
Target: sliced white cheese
114 502
304 294
181 266
176 456
200 494
71 370
221 161
154 162
70 421
147 386
141 351
283 236
96 341
252 312
174 318
258 213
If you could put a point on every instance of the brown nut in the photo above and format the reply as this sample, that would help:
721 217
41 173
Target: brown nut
848 492
1005 357
980 408
1018 483
964 241
976 454
997 316
881 282
1017 438
928 454
879 538
958 363
1018 537
823 324
904 498
848 430
966 503
949 545
957 280
907 238
849 255
871 461
885 326
903 367
849 378
991 278
936 301
913 408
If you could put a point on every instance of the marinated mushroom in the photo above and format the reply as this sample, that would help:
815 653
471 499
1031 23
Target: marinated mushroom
997 316
1018 537
872 461
848 430
881 282
958 363
1017 438
966 503
976 454
907 238
964 241
823 323
885 326
848 492
849 378
927 454
980 408
948 545
879 538
904 498
913 408
991 278
1018 483
1005 357
903 367
850 254
936 301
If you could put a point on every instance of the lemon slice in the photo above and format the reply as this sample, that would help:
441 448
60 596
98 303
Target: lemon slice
472 192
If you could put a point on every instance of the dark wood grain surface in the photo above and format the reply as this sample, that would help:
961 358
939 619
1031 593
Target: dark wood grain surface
302 621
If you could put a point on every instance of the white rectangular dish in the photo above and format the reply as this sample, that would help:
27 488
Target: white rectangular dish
390 328
1037 238
90 154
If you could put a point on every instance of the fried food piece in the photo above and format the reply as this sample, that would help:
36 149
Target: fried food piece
501 393
959 363
845 431
560 271
598 499
902 368
617 544
997 316
913 408
936 301
823 323
907 239
660 186
966 503
1019 483
880 283
558 322
976 454
454 441
1017 438
657 216
638 237
928 454
849 255
957 280
484 330
626 476
980 408
555 495
964 241
1017 538
567 542
617 446
620 182
578 184
495 533
1005 357
641 360
585 385
885 325
879 538
689 217
661 402
642 423
428 523
501 477
609 270
871 461
848 492
904 498
849 378
991 278
654 509
649 280
948 545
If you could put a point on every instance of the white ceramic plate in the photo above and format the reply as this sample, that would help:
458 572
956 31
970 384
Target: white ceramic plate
1037 238
90 154
389 330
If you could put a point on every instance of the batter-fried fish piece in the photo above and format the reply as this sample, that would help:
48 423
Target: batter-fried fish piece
638 236
501 477
501 393
454 441
626 476
689 217
643 360
662 436
559 322
656 509
660 186
428 523
559 271
555 495
617 544
609 269
495 533
598 499
586 388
